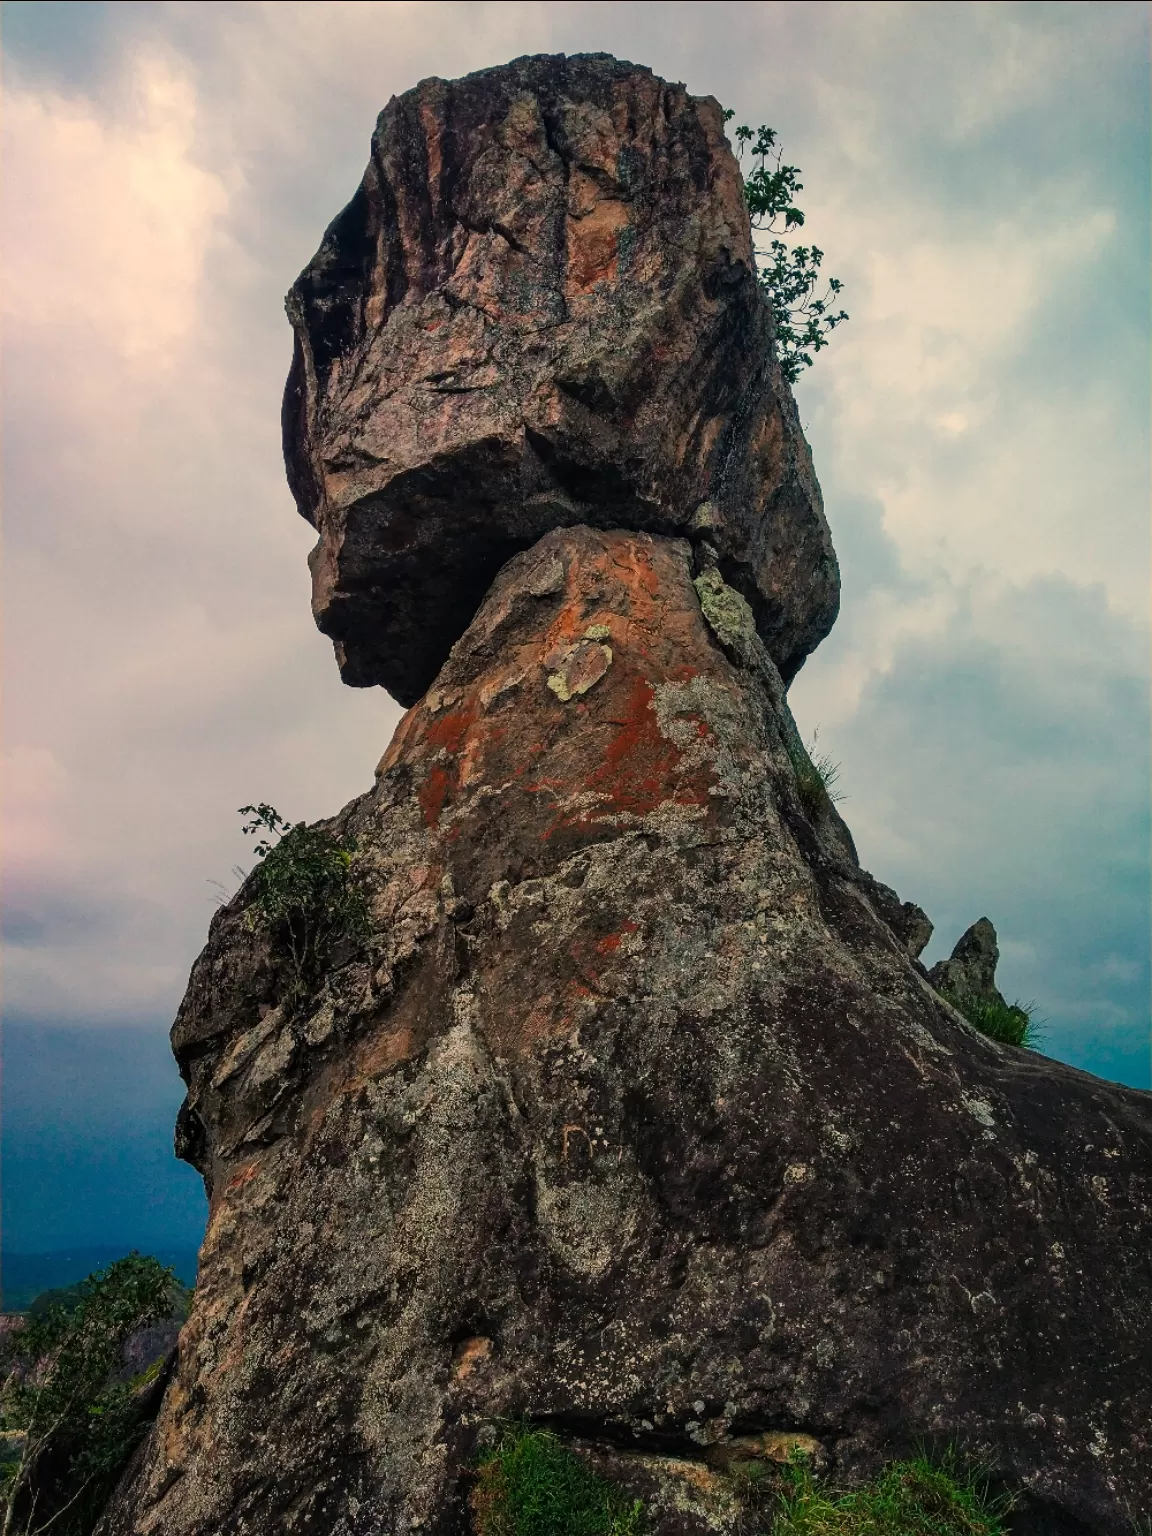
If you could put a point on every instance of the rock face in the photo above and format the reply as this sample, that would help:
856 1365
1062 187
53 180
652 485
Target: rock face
636 1116
540 308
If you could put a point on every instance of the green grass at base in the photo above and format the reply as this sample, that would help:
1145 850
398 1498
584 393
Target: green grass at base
909 1498
531 1484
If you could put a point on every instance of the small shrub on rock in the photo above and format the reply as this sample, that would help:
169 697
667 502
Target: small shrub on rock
304 890
788 276
69 1421
531 1484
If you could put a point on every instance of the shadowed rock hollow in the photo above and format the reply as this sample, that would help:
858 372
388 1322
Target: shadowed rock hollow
541 308
635 1113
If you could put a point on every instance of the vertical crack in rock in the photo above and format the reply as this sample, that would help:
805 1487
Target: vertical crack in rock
634 1114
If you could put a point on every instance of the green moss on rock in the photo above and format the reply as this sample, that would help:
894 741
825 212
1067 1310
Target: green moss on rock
531 1484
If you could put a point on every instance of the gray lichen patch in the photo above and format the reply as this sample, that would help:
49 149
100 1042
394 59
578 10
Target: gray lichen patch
729 617
574 669
547 578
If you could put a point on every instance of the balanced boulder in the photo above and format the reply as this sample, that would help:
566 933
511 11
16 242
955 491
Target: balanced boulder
541 309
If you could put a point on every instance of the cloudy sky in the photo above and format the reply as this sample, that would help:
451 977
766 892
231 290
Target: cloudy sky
978 175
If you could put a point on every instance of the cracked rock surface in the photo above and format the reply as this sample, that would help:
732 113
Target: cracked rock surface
540 309
635 1115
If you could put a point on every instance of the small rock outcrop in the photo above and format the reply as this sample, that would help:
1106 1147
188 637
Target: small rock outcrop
969 974
632 1112
541 308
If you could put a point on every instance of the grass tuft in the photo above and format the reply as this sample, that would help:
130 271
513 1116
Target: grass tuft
816 775
919 1497
531 1484
1009 1023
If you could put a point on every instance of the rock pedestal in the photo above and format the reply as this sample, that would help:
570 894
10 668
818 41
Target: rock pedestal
635 1118
633 1113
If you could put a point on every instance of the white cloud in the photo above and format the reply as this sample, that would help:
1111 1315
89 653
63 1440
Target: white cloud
108 219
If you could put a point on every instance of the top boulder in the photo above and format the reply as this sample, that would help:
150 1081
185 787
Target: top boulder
540 309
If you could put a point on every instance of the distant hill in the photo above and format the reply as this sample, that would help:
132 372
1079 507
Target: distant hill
25 1276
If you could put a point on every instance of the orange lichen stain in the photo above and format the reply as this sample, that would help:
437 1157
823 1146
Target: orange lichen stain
611 942
643 572
590 958
639 770
445 733
422 725
593 246
623 564
433 793
449 731
468 1355
545 786
245 1175
549 1017
560 635
383 1052
537 1024
472 760
408 726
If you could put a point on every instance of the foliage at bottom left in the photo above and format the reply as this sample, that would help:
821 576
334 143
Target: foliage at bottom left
71 1413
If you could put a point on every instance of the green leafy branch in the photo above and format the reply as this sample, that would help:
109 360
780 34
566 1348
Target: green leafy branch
789 275
72 1422
303 888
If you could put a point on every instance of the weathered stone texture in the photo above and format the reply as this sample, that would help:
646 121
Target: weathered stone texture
540 309
635 1116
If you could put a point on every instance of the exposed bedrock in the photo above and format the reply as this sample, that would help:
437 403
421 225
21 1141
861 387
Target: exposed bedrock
540 309
635 1116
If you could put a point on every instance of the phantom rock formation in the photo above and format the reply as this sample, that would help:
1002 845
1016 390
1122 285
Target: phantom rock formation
541 308
634 1113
